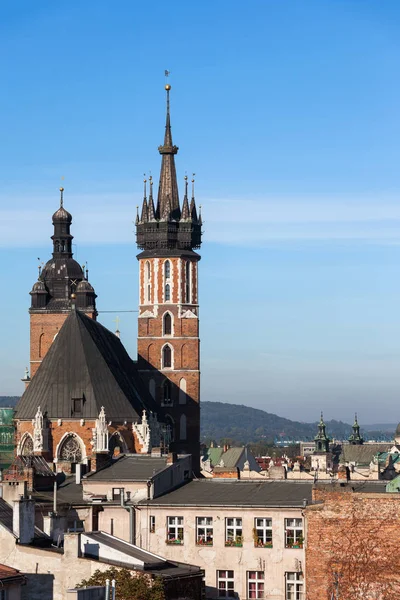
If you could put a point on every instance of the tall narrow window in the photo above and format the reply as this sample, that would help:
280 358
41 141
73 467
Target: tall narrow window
147 276
204 531
167 357
167 324
233 532
182 391
167 292
182 427
167 269
188 282
152 388
167 400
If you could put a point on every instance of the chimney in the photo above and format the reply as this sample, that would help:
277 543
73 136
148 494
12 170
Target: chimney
172 458
24 520
78 473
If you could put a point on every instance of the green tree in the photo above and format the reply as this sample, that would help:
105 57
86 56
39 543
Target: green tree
130 585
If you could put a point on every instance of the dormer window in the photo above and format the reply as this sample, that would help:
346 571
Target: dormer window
77 406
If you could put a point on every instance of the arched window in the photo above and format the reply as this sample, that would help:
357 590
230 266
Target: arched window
167 357
167 324
182 427
167 269
41 340
27 446
182 391
167 399
152 388
188 282
167 292
71 450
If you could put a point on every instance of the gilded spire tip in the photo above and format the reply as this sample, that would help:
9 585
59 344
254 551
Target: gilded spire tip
61 197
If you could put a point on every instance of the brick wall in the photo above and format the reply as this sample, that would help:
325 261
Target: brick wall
352 541
43 329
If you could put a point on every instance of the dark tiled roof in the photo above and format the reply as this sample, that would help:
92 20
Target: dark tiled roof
237 493
69 492
6 515
38 463
86 360
152 563
126 548
130 468
366 487
363 454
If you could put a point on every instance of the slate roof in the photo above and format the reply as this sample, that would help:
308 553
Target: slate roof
86 360
363 454
211 492
69 492
152 563
130 468
6 515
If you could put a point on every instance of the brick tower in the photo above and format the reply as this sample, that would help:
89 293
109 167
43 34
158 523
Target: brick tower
61 280
168 329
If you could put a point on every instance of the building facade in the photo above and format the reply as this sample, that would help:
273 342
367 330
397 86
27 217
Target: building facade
168 330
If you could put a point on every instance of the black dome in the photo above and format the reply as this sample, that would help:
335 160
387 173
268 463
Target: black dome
62 215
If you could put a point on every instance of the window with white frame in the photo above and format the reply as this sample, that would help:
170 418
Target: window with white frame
255 584
167 292
167 269
167 324
225 584
233 532
174 530
294 586
263 533
152 524
204 531
147 275
294 533
167 357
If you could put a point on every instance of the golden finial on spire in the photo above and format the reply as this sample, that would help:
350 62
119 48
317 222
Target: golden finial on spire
167 74
61 197
193 180
144 186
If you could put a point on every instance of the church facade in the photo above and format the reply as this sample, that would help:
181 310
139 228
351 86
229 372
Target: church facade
85 398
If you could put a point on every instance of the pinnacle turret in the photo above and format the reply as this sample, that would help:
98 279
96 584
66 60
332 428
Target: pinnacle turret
167 226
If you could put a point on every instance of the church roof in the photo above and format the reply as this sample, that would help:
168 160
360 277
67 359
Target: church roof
86 361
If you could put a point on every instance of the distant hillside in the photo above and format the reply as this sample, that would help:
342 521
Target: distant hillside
8 400
245 425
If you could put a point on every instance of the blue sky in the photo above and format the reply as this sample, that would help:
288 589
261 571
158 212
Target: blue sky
287 110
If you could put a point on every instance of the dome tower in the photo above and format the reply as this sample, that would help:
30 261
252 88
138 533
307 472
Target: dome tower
61 282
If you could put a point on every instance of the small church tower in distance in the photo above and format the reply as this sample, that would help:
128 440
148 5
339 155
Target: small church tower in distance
61 283
168 329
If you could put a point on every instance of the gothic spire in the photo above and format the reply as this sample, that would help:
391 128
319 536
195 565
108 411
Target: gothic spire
150 209
168 197
144 216
193 210
185 206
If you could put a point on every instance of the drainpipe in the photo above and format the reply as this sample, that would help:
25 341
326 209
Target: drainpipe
132 520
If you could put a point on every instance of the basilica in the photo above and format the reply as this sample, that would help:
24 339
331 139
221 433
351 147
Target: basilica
86 399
